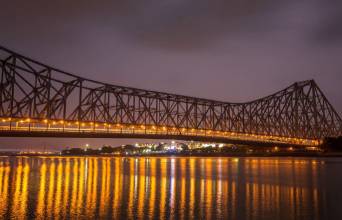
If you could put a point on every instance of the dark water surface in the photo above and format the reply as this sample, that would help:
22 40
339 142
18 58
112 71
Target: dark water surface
170 188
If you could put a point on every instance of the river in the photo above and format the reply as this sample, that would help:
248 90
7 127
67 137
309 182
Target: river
170 188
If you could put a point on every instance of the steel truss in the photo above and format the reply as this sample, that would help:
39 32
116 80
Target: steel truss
30 89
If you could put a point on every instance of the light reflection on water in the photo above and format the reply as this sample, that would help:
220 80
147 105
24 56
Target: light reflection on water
169 188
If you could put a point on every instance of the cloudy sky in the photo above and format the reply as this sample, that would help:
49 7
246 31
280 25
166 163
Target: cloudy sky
230 50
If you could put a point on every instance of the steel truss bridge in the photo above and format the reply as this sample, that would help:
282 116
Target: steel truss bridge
38 100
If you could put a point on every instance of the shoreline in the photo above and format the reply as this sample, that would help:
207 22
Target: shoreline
298 155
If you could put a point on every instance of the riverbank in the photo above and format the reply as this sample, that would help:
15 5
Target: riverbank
302 154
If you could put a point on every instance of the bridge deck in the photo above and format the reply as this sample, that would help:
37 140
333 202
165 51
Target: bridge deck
145 136
23 128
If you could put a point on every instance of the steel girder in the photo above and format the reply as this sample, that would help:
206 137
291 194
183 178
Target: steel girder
30 89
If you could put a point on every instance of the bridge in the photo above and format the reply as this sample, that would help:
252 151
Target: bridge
38 100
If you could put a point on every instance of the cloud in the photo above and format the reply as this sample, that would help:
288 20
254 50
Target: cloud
195 24
328 30
185 24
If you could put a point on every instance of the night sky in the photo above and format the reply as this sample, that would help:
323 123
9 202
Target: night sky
229 50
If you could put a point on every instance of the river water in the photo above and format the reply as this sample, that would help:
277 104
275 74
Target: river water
170 188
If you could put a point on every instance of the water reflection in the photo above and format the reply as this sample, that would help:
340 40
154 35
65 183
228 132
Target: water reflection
163 188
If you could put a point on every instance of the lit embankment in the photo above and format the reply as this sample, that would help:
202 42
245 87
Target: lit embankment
33 126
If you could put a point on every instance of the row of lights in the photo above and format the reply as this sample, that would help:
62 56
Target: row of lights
164 128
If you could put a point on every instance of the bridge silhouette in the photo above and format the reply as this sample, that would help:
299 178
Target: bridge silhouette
38 100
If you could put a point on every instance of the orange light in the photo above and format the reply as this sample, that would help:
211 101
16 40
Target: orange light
236 160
